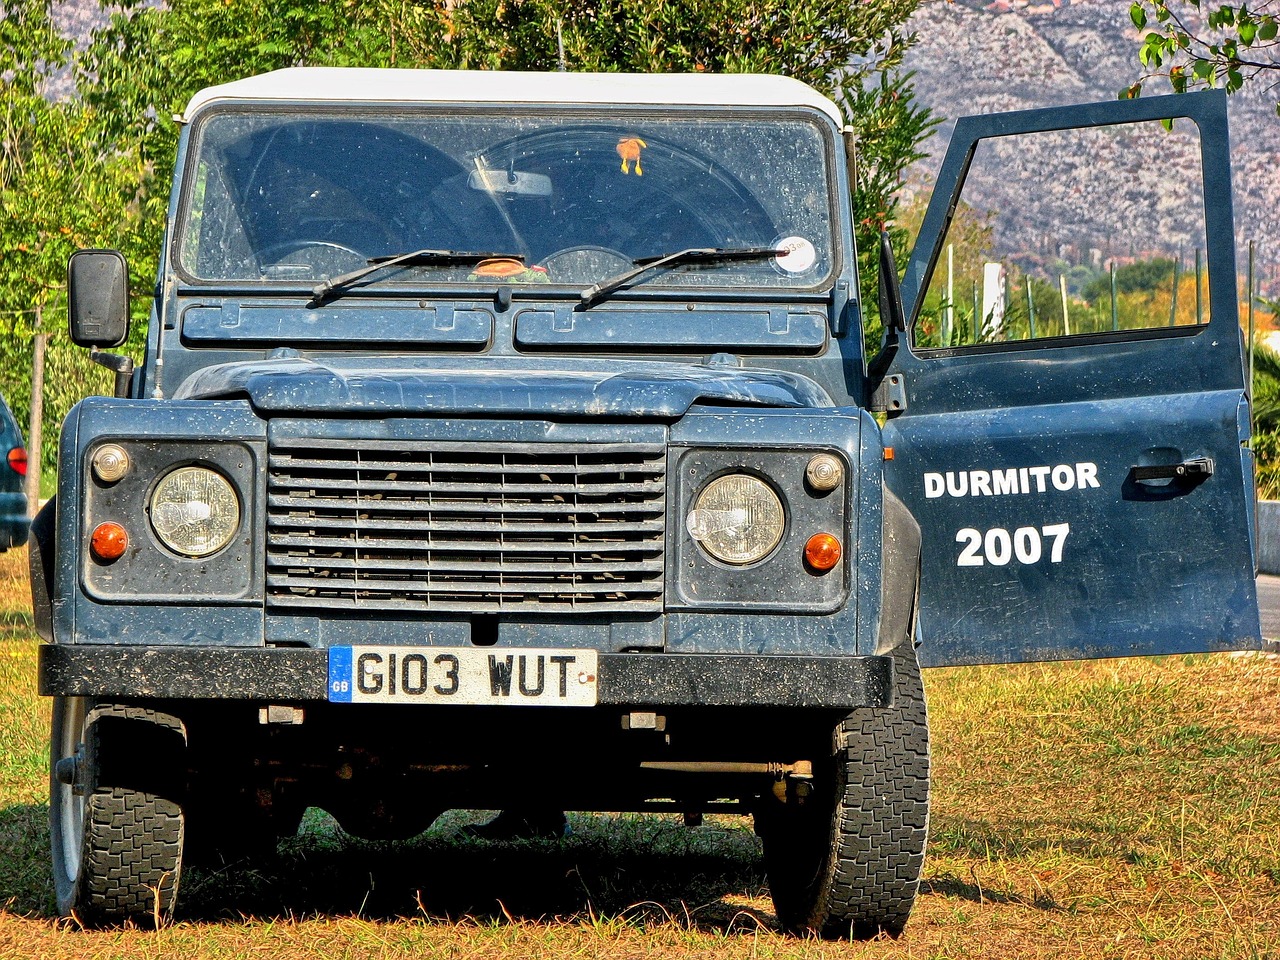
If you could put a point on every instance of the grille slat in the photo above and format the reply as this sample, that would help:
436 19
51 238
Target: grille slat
478 487
392 525
436 567
481 506
443 602
370 527
560 586
591 461
332 546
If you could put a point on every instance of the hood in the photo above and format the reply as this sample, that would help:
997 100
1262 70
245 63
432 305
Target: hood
300 386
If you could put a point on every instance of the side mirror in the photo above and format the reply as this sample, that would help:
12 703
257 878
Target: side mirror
98 298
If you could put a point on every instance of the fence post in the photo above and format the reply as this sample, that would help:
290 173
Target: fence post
1252 333
1031 310
1066 318
1115 314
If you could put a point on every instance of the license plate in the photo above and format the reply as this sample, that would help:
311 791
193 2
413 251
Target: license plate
462 675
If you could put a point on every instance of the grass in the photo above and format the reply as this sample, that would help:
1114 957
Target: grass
1121 808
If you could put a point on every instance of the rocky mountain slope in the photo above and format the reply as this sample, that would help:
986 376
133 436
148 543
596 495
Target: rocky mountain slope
1010 55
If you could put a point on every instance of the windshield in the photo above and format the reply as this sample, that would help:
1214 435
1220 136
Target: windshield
573 198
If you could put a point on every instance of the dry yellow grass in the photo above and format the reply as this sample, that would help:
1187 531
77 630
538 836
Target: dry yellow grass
1107 809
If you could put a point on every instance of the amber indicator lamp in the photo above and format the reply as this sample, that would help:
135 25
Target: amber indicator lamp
822 552
109 541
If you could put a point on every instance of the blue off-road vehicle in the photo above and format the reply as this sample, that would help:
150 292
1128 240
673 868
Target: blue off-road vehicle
13 476
505 436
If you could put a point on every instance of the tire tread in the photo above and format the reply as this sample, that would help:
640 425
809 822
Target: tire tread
848 863
131 849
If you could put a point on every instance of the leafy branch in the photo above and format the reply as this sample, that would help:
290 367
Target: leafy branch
90 171
1197 44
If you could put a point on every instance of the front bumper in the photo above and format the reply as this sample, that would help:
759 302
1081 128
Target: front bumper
625 679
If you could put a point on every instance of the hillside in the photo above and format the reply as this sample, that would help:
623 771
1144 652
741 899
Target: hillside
988 57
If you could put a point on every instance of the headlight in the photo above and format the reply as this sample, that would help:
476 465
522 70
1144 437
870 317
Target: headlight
194 511
737 519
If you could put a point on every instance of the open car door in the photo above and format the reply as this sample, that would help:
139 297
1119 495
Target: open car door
1070 422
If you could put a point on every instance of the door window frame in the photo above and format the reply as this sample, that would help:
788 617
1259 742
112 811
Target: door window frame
1206 109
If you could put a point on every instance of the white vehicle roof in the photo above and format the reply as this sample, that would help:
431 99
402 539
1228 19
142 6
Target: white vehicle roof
365 85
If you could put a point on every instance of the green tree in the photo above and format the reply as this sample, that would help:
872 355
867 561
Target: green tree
1144 276
54 198
1266 420
971 238
143 68
890 127
94 171
1194 43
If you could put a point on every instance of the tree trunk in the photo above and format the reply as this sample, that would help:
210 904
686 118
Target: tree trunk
37 415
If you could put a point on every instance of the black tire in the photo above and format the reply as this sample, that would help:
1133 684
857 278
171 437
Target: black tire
116 830
846 862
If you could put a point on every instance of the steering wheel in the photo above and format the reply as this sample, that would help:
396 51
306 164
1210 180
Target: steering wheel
585 263
308 258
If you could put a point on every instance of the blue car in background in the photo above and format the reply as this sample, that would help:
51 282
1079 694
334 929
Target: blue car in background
13 475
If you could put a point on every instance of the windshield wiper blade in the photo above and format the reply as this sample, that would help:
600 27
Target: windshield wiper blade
693 255
322 291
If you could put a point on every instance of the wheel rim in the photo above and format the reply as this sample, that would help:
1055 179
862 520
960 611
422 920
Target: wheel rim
68 806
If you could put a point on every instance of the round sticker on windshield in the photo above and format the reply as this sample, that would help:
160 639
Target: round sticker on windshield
797 255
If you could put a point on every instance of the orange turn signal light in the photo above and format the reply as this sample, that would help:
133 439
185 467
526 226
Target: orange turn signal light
822 552
109 541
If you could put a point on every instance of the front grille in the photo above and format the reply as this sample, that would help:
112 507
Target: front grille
470 528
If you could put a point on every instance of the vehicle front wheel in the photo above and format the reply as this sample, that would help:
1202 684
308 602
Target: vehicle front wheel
845 861
115 822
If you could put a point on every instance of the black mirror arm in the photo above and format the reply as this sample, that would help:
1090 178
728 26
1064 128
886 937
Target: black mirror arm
120 365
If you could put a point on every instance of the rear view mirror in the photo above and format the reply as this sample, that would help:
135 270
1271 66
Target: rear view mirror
98 298
510 181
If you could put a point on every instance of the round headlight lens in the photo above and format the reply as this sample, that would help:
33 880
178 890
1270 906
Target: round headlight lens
195 511
737 519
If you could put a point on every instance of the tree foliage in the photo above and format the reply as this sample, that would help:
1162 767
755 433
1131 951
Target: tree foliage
93 171
971 239
144 67
54 197
1197 43
1142 275
1266 419
890 127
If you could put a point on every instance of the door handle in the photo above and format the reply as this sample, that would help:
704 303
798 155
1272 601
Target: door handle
1190 471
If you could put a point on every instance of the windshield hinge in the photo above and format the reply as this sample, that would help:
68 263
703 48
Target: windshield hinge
890 395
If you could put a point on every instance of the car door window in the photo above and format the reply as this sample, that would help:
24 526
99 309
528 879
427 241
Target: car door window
1072 233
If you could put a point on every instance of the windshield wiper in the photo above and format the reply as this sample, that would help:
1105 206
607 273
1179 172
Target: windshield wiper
322 291
643 265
